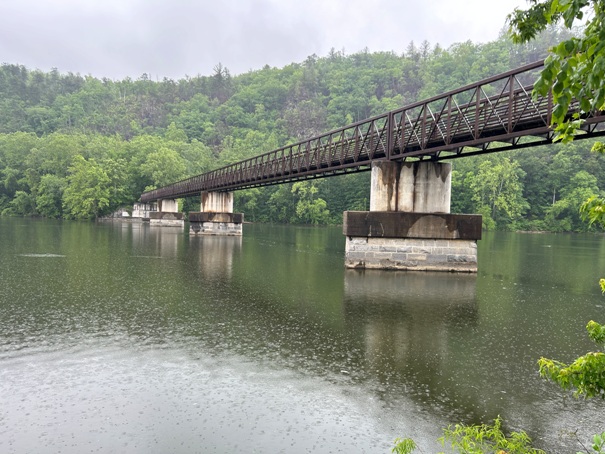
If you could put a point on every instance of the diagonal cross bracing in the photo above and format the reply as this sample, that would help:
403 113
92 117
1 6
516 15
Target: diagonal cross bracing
467 121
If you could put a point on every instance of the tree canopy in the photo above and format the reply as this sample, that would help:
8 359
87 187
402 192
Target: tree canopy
143 133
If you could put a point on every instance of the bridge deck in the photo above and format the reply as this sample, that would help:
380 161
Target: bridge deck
495 114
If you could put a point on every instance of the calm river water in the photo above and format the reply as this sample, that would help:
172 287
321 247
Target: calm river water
118 337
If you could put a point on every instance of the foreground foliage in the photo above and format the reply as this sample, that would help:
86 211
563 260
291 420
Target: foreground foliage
586 375
477 439
575 68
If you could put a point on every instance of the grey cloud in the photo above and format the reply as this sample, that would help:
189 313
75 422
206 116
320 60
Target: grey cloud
174 38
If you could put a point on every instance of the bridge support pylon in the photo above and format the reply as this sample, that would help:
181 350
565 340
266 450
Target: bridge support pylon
167 214
409 225
216 216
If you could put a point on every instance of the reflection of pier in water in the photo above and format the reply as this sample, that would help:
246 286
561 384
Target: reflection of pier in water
406 321
167 240
403 310
216 255
157 243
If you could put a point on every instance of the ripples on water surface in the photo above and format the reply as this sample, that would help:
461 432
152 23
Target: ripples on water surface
123 338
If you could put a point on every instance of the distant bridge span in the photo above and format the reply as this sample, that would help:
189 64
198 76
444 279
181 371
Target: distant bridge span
495 114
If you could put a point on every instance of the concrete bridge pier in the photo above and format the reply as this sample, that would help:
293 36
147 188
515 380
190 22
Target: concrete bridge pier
216 216
409 225
167 214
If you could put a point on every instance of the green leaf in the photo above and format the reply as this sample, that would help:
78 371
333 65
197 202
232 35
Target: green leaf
585 104
540 88
554 7
596 332
558 114
404 446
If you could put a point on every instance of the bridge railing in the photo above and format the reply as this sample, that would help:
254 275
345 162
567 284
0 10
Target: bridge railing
500 108
489 115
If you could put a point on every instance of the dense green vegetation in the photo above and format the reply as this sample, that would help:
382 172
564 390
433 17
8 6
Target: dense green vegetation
79 147
476 439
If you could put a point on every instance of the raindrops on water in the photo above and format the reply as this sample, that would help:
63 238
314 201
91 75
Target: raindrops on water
150 342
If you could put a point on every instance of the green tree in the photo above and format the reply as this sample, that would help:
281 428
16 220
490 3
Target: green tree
498 192
193 117
251 145
564 165
11 180
163 167
221 83
564 215
463 175
575 68
23 204
282 204
249 201
49 200
350 192
120 187
54 153
198 157
310 209
174 134
88 191
41 120
593 210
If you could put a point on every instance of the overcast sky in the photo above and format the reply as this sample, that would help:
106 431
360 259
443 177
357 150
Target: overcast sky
175 38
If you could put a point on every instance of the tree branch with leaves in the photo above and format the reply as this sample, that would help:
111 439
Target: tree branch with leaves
575 68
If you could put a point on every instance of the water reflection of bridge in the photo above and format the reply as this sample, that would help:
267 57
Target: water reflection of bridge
404 314
409 324
216 255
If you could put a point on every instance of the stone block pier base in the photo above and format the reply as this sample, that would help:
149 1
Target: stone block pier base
409 225
167 214
411 241
226 224
216 216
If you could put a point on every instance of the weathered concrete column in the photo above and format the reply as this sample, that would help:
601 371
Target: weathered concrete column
425 187
409 225
419 187
217 202
168 206
216 216
141 210
167 214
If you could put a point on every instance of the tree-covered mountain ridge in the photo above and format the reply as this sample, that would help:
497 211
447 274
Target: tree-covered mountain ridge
79 147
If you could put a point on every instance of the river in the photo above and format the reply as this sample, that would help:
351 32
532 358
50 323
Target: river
120 337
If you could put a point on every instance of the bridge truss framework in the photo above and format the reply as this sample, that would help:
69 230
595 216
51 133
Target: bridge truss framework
495 114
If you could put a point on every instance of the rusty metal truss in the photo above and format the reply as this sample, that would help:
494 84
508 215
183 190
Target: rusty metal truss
495 114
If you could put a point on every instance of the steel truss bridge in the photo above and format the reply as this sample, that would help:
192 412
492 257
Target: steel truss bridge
495 114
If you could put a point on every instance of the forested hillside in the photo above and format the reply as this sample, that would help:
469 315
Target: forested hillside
79 147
